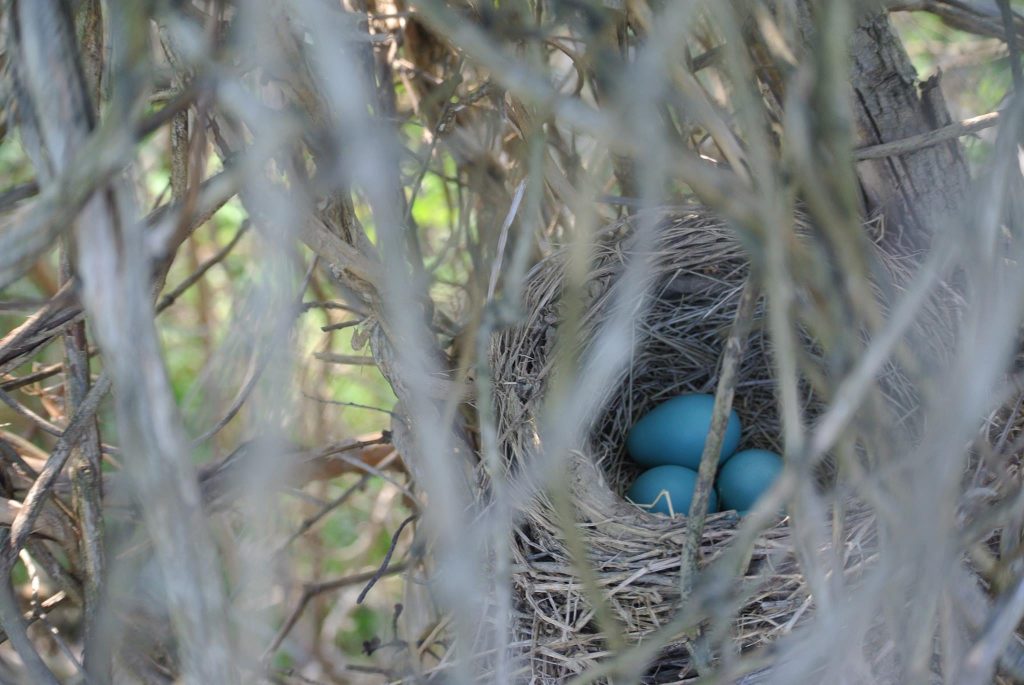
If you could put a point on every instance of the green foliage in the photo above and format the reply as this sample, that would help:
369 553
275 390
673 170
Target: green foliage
15 167
975 72
363 625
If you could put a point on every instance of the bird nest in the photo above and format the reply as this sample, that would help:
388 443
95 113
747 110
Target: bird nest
699 270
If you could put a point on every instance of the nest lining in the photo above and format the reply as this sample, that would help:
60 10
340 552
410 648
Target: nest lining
699 271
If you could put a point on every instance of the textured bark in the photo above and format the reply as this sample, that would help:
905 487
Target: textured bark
910 190
913 189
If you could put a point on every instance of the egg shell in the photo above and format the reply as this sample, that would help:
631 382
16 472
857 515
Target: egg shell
674 433
745 477
654 488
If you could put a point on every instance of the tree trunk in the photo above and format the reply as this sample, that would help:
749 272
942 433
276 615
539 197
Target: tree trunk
914 189
911 190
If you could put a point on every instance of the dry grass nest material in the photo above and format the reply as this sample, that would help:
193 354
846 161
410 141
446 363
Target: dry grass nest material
699 271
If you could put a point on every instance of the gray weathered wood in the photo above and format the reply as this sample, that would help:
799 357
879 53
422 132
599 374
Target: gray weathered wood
115 287
913 189
910 190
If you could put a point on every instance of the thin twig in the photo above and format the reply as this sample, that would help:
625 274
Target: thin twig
383 570
16 626
970 17
329 328
257 362
16 382
312 590
513 209
23 340
48 603
40 614
732 357
40 490
27 413
170 298
86 469
929 138
17 193
341 403
327 508
345 359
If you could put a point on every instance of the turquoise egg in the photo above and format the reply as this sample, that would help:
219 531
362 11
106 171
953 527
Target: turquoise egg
747 476
674 433
656 488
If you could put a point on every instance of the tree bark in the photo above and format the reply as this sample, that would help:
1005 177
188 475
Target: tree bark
912 190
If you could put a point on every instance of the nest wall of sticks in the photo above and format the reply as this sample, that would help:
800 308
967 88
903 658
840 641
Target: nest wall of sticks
635 556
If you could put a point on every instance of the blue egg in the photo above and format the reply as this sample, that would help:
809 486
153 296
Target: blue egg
658 488
747 476
674 433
